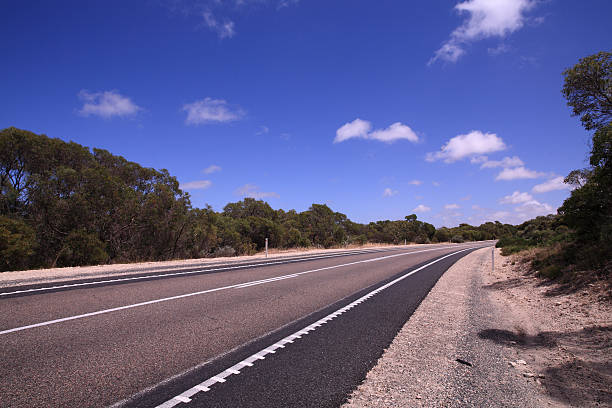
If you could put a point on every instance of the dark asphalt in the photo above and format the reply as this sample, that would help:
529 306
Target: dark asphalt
102 359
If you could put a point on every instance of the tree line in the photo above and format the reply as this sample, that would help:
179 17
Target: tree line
62 204
578 239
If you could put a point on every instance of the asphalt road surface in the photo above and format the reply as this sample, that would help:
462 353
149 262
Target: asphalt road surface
300 332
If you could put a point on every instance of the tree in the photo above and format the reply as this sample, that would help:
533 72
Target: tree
588 210
588 90
17 244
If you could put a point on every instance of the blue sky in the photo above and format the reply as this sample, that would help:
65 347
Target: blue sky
450 109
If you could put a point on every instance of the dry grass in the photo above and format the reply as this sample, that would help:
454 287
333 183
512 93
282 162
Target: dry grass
548 264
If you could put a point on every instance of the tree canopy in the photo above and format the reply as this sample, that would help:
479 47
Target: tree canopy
588 90
582 230
588 210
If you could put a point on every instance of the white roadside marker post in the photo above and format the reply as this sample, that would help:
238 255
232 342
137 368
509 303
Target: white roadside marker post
266 247
493 259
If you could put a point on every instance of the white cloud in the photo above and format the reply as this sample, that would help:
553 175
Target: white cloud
532 209
213 168
462 146
448 52
485 19
551 185
516 198
251 190
107 104
286 3
357 128
421 208
500 49
478 159
451 207
210 110
361 129
223 29
506 162
518 173
522 212
218 15
262 131
415 182
389 193
196 185
435 184
396 131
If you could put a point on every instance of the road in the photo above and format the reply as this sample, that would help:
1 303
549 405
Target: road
300 332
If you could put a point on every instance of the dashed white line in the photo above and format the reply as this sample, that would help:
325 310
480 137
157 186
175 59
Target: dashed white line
182 399
187 295
260 355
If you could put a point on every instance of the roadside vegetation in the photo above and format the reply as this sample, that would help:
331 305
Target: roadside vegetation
576 244
62 204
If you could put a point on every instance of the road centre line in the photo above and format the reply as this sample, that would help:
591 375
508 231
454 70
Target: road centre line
186 295
260 355
161 275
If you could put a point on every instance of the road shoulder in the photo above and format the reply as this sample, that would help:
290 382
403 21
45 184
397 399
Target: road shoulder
444 356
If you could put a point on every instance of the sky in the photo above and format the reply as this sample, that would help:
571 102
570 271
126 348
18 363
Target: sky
448 109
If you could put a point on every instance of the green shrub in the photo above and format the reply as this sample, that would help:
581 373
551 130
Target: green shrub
551 271
17 244
82 248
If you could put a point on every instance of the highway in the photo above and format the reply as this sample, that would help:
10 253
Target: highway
300 332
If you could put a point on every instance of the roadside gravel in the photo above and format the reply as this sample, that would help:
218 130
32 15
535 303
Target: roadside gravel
530 343
421 366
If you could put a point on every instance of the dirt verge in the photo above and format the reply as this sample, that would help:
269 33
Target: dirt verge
496 338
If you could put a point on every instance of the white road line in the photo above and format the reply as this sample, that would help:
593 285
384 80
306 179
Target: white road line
259 355
186 295
182 399
161 275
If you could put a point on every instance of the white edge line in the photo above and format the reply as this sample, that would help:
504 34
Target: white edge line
212 380
186 295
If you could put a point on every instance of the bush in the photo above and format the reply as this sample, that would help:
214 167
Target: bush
17 244
360 239
225 251
82 248
511 245
551 272
458 239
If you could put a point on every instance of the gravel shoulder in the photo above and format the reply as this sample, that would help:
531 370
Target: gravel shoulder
526 345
